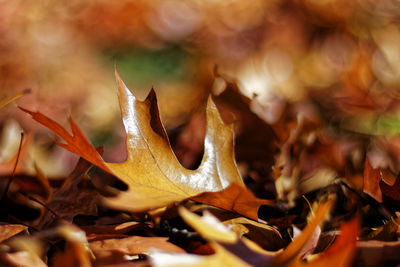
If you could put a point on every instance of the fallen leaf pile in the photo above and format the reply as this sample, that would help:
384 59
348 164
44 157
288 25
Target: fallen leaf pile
294 195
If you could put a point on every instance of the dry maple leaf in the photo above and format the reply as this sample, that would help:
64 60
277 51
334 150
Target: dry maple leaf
152 172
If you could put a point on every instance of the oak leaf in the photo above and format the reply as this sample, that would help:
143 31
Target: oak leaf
70 199
153 174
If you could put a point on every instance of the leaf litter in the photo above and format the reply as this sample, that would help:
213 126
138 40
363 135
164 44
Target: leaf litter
146 210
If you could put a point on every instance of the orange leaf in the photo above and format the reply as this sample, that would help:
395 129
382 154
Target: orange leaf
76 143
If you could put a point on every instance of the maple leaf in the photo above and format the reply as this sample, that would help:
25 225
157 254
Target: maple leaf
152 172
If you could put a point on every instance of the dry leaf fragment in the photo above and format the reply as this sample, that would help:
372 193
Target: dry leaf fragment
264 235
234 198
76 252
342 251
378 253
21 259
292 254
153 174
372 178
116 250
70 200
93 230
392 192
10 230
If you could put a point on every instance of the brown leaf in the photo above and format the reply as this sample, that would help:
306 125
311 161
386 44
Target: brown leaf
392 192
71 200
387 232
378 253
234 198
372 178
111 229
28 185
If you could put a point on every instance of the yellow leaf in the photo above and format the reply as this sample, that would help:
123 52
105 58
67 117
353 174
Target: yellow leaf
154 176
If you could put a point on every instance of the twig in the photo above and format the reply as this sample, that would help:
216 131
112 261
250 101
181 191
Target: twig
15 167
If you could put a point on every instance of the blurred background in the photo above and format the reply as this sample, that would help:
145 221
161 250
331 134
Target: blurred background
313 84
